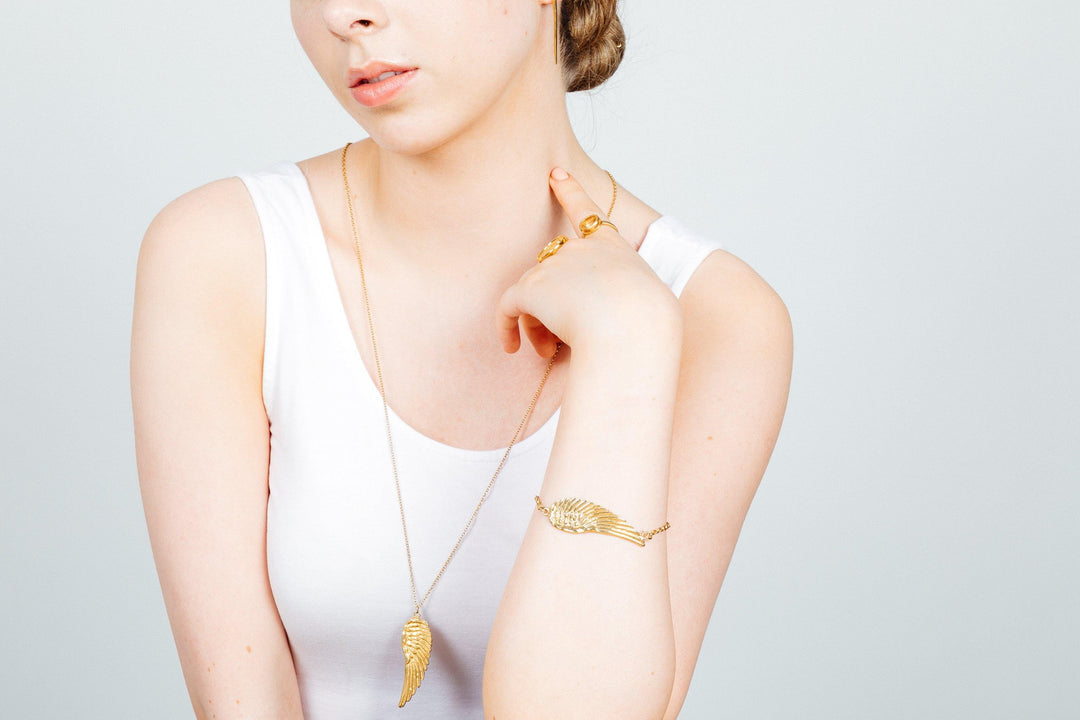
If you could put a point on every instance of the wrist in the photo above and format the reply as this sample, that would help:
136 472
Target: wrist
639 362
641 340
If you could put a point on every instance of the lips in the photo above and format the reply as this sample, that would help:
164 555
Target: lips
379 78
372 94
372 71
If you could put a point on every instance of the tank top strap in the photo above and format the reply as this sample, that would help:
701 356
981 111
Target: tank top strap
291 228
674 250
295 271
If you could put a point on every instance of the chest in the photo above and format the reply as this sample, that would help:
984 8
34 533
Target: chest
436 354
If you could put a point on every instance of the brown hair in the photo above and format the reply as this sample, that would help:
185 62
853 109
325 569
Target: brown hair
591 42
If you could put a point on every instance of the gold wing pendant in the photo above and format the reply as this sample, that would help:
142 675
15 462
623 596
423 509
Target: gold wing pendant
576 516
416 646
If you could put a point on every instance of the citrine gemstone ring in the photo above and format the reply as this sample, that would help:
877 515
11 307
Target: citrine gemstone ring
592 223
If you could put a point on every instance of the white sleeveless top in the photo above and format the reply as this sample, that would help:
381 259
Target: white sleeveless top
335 550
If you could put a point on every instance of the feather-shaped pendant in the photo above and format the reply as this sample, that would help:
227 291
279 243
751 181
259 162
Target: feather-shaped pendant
416 646
576 516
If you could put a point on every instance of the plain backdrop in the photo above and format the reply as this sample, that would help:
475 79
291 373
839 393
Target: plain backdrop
904 174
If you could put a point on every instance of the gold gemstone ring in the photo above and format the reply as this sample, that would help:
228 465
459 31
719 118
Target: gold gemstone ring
592 223
551 248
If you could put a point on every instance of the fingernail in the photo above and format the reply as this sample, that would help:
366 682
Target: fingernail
559 174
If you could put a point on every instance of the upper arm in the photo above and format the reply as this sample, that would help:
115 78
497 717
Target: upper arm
733 390
202 448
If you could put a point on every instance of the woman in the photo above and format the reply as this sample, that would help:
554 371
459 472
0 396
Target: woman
352 506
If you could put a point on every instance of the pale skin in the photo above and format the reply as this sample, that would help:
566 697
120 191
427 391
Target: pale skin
671 406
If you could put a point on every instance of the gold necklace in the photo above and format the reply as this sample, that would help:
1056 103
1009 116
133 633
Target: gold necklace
416 635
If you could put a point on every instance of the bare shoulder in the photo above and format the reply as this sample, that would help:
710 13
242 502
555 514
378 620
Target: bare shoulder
202 257
737 356
732 396
212 227
201 270
725 297
202 447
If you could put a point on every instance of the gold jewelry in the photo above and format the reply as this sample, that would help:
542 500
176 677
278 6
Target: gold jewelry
553 247
592 223
574 515
416 635
555 26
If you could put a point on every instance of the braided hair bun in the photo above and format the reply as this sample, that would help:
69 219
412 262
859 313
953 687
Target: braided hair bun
591 42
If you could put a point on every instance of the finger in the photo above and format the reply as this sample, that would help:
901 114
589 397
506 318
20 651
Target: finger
575 202
506 320
542 339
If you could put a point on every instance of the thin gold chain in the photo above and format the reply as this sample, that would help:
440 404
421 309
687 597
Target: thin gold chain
614 192
386 414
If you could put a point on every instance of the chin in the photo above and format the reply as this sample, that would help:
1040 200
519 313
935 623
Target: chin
405 139
413 132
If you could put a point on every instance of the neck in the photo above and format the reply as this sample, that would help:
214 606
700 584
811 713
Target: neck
483 197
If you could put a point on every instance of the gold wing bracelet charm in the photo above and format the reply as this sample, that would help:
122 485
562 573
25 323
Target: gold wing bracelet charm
575 515
416 646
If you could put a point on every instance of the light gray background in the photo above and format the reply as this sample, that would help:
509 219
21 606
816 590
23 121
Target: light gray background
905 174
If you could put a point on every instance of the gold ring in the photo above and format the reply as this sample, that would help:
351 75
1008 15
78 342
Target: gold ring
551 248
592 223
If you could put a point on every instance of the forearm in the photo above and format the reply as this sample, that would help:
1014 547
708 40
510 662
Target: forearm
584 627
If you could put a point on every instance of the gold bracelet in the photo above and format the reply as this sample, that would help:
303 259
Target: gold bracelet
574 515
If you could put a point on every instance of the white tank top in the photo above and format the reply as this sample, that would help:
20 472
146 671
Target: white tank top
335 550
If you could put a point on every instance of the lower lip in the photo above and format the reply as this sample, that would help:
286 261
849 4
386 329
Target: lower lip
372 94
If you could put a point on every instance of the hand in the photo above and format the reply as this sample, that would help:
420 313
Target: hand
594 289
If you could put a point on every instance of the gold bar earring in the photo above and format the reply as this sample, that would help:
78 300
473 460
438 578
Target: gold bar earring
555 27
